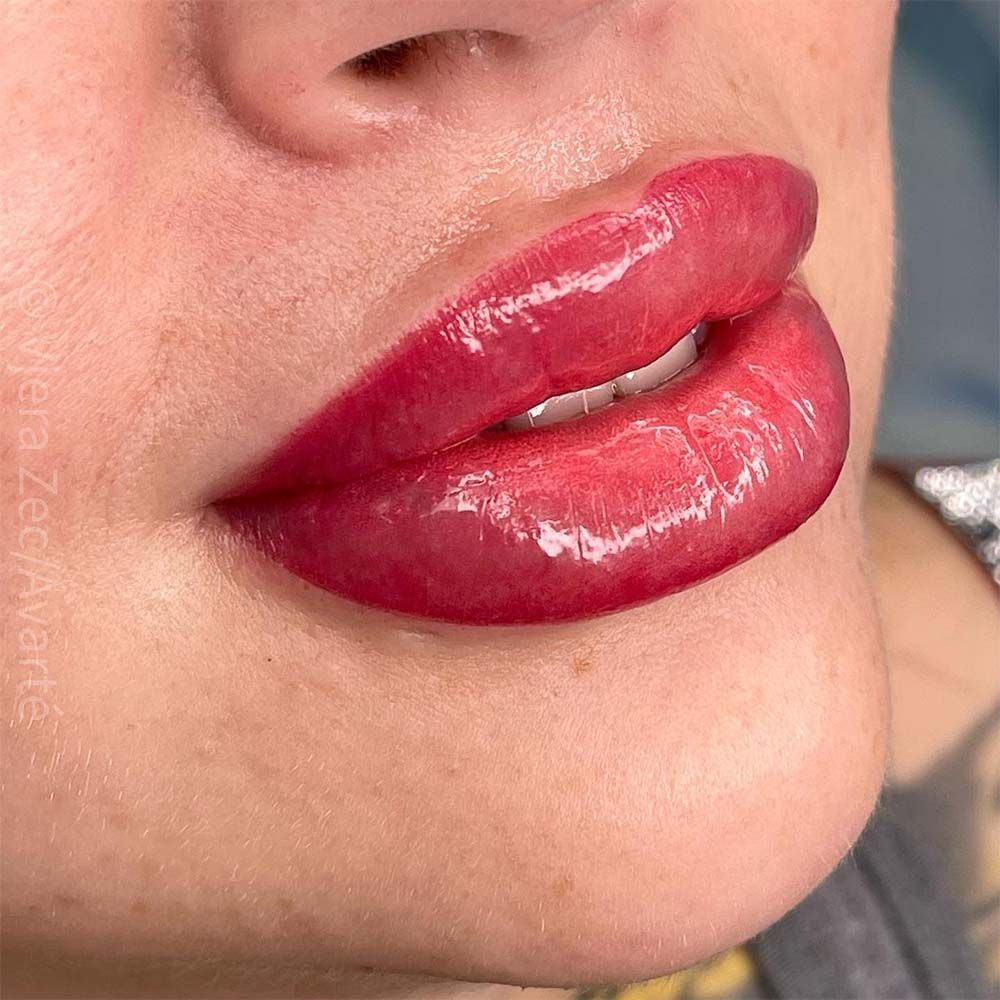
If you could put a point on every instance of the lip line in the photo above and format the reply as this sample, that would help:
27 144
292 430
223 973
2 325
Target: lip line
664 211
639 486
691 371
643 498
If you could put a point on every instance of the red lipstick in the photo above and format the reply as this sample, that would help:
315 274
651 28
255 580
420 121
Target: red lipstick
402 494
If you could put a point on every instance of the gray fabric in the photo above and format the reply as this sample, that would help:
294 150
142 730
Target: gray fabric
881 927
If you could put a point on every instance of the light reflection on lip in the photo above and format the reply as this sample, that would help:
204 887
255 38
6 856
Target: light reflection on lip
394 497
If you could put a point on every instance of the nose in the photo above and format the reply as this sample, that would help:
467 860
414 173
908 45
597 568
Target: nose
331 79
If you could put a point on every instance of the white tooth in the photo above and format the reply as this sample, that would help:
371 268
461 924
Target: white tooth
558 408
574 404
523 421
597 396
682 354
550 411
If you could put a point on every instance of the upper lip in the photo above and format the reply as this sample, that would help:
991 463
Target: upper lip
589 300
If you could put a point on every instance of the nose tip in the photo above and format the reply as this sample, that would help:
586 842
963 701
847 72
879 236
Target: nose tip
334 79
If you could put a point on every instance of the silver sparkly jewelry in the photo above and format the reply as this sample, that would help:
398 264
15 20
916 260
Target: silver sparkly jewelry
968 498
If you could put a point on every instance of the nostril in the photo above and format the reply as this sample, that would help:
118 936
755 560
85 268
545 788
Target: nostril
298 86
386 61
440 50
333 80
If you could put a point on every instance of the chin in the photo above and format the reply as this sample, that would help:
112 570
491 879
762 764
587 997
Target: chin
671 801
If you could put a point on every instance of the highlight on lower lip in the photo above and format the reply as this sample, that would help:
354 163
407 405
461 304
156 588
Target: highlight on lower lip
579 509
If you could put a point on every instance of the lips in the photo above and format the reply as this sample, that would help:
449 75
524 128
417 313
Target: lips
404 493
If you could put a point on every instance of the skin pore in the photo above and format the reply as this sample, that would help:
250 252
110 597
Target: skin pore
218 781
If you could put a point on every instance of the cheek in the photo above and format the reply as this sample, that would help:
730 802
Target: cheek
849 269
75 89
846 52
74 172
106 54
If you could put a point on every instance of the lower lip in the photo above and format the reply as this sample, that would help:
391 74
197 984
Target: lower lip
644 498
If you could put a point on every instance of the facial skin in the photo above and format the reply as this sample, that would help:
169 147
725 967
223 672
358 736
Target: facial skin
210 224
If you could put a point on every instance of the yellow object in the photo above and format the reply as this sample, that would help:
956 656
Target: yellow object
720 978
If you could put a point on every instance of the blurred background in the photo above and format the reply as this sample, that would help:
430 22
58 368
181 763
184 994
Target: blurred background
942 397
940 429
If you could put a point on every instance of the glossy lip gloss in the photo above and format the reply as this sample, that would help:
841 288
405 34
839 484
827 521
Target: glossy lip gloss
398 494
